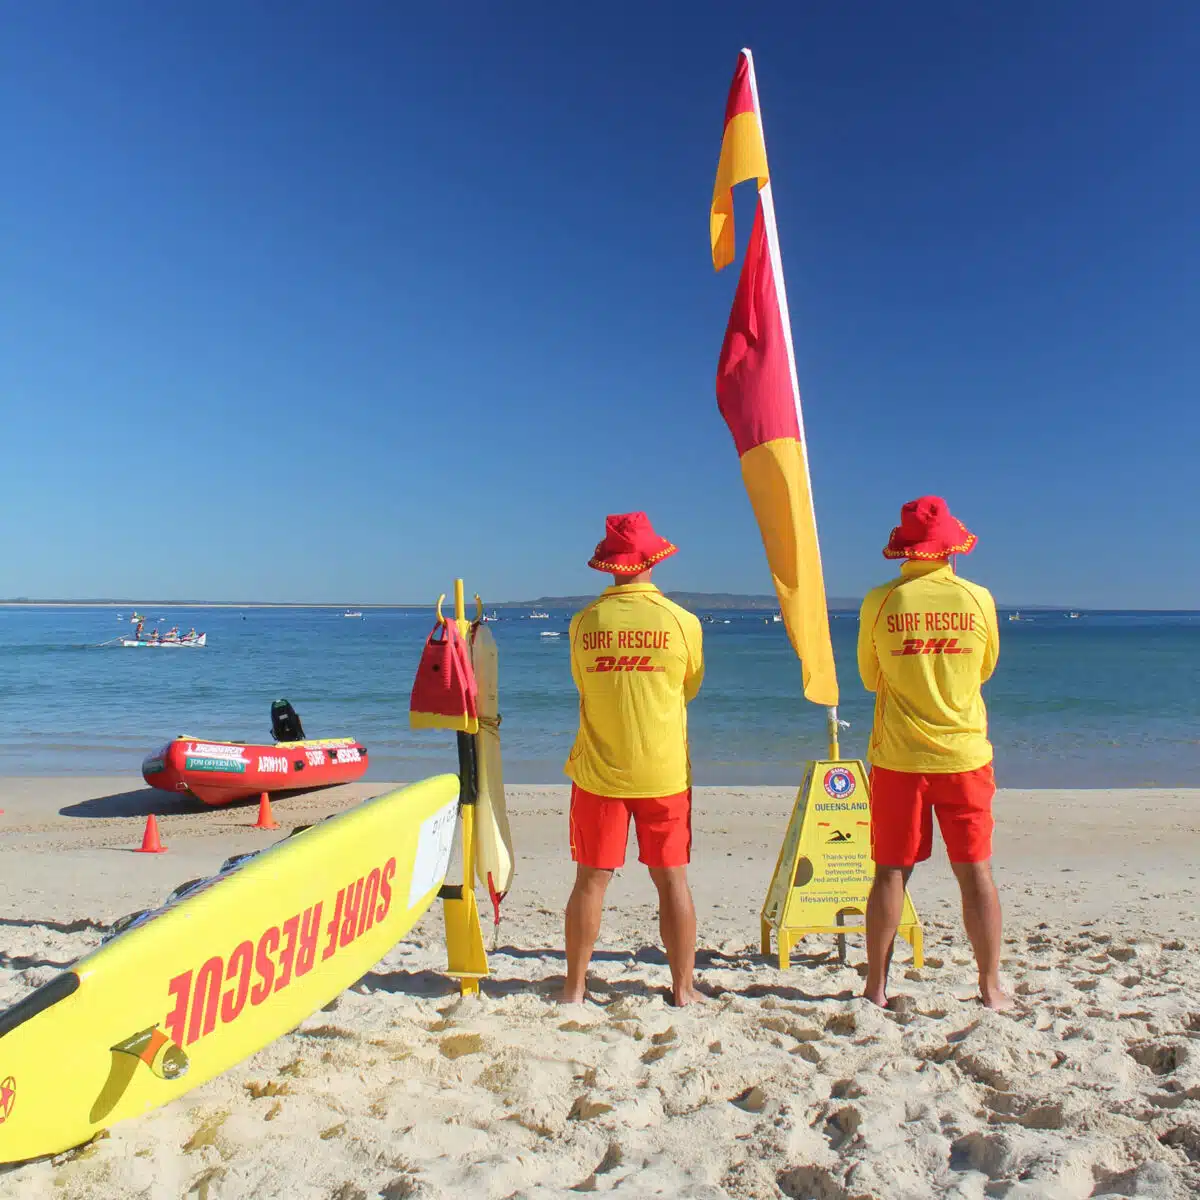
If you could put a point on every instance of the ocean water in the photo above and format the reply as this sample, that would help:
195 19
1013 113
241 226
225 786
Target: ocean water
1110 699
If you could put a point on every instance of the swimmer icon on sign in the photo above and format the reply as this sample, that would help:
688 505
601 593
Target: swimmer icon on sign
839 783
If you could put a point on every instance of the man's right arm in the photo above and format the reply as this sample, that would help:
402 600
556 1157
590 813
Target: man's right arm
991 652
694 675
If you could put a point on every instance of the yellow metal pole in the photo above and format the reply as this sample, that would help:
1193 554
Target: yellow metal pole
468 958
468 812
460 608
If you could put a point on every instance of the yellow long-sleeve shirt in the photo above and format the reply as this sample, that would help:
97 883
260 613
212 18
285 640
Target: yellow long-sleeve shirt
926 644
637 660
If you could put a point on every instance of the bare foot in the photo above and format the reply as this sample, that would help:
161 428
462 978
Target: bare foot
682 997
877 996
566 997
995 997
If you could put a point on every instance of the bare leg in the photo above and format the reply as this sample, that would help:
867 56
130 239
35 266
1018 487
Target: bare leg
885 906
677 926
584 910
981 916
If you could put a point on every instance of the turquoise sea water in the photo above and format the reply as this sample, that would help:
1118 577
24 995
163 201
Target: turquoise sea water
1110 699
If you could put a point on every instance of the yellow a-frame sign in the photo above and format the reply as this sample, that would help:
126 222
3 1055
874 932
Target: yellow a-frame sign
824 870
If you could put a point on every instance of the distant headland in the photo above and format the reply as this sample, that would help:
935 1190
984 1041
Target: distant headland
706 600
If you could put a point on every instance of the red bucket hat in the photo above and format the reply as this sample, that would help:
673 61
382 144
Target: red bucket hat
928 531
630 545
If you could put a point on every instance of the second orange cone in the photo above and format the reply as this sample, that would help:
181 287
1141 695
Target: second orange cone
150 842
265 820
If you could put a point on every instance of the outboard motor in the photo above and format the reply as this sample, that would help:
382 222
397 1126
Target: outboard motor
285 723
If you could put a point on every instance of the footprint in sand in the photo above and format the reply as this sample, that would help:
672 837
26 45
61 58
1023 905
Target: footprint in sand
752 1100
1159 1058
1185 1138
1012 1108
802 1183
986 1152
841 1126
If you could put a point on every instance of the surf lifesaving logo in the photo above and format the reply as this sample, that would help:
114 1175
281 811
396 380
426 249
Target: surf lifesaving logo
839 783
255 969
8 1097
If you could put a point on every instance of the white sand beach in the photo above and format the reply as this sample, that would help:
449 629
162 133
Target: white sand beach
780 1084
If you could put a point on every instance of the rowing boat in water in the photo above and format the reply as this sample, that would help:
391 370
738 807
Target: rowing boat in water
192 643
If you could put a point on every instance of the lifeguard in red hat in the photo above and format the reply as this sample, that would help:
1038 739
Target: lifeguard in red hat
927 642
636 658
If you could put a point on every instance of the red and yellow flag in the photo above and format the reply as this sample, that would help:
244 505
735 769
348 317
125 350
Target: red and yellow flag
759 396
743 156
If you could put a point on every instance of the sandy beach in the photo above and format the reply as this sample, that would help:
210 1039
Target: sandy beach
780 1084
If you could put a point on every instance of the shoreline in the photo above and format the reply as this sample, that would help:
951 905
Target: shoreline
547 773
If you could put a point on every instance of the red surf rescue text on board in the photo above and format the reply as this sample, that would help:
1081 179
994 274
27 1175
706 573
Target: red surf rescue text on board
221 987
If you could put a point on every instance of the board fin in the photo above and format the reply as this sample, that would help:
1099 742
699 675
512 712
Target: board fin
166 1061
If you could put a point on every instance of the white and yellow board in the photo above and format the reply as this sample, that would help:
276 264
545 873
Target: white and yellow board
235 961
493 838
824 871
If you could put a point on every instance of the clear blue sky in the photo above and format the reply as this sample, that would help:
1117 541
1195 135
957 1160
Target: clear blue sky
310 301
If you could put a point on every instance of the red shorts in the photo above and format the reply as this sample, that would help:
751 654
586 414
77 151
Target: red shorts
902 808
600 829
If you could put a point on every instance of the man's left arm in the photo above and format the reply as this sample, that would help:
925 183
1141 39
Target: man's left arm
576 675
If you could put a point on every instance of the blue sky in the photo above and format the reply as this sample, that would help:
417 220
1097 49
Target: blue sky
313 301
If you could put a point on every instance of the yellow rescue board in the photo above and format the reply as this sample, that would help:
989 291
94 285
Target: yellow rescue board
188 990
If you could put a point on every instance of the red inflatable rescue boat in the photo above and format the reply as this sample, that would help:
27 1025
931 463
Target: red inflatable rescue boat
221 772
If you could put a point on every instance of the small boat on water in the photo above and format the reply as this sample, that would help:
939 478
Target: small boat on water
538 615
172 637
349 613
221 772
188 641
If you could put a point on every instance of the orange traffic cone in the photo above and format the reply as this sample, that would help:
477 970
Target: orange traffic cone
265 820
150 842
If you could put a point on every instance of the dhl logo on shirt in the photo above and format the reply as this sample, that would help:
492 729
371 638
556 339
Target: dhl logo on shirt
932 646
280 954
607 662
